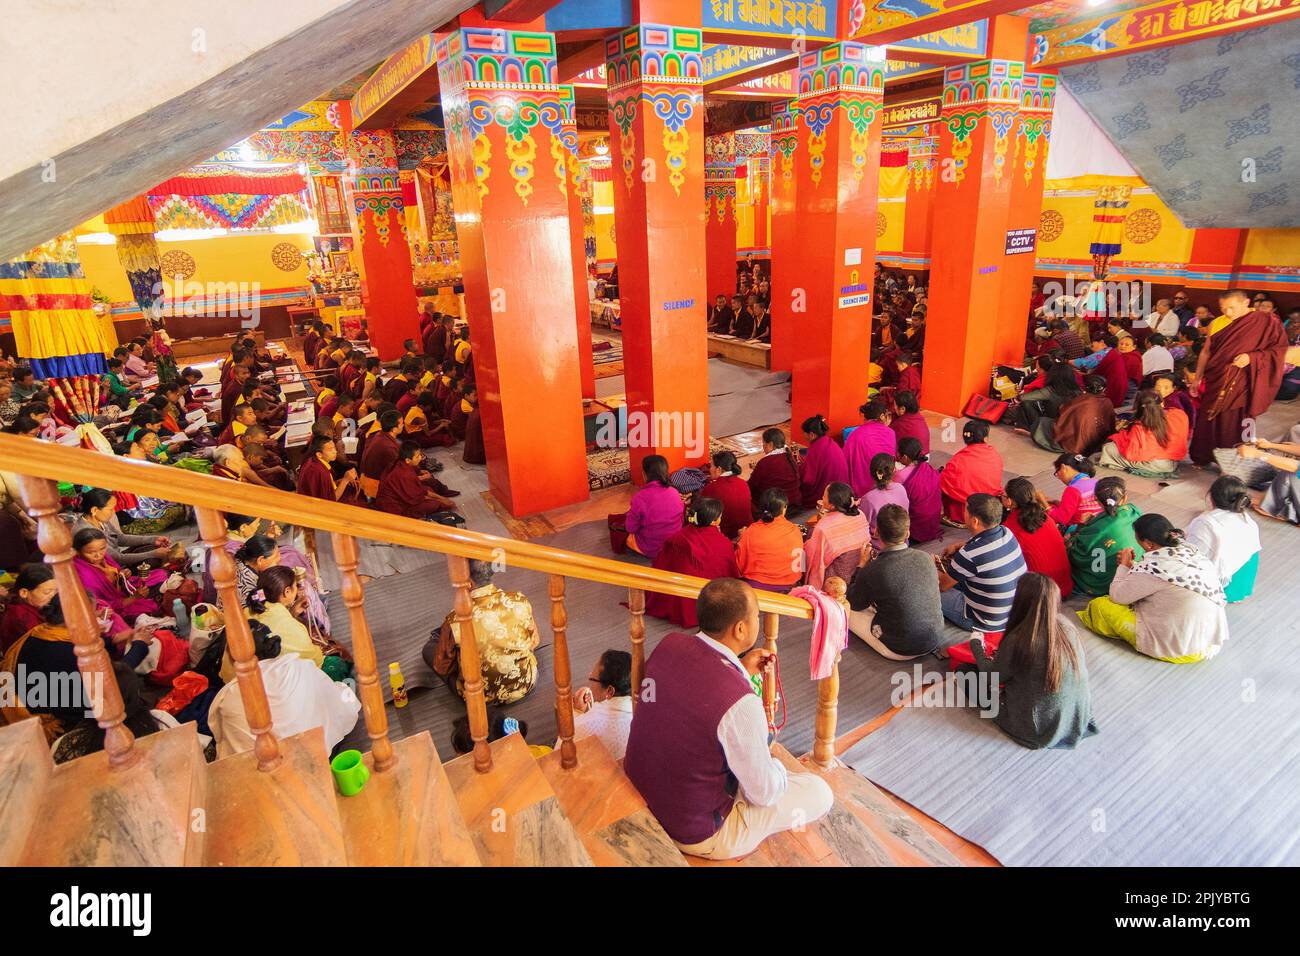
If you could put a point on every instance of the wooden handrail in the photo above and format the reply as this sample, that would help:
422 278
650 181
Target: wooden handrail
42 459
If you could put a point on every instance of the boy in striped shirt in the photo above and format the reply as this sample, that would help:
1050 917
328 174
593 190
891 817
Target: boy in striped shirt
977 579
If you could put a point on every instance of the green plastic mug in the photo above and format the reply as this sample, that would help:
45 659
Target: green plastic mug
350 772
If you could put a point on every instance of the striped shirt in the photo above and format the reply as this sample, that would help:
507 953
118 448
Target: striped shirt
986 570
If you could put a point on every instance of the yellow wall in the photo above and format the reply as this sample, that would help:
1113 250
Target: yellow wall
602 196
1272 247
239 257
744 215
1074 199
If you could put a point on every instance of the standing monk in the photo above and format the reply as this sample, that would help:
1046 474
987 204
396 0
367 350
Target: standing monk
1241 373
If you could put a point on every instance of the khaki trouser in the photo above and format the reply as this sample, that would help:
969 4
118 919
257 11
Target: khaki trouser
807 798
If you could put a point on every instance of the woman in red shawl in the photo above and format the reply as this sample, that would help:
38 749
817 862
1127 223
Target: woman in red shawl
726 486
976 469
1112 367
699 549
776 469
33 588
401 492
1241 372
316 474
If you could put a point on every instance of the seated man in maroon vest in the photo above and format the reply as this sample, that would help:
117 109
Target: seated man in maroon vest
698 750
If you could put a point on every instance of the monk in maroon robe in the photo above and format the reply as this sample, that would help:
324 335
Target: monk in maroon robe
401 492
316 478
475 450
1240 375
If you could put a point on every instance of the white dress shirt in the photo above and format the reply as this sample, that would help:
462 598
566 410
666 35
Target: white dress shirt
743 735
1166 325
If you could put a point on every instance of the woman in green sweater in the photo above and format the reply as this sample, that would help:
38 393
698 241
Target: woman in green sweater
1044 700
1095 547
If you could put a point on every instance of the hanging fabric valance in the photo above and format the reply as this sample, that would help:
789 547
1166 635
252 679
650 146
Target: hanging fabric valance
212 181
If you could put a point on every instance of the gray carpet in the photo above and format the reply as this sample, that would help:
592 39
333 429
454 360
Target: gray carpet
1195 765
741 398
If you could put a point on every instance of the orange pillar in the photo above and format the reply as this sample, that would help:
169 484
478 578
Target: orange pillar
918 211
502 109
785 245
981 100
656 114
720 213
564 149
392 308
1215 258
1027 171
839 97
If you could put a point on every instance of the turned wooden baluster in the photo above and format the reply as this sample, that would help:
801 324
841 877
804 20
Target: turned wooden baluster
471 670
563 675
636 605
239 640
828 694
55 539
363 653
771 621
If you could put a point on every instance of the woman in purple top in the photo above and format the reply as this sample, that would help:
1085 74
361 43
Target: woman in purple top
873 437
822 463
656 511
909 423
924 500
885 491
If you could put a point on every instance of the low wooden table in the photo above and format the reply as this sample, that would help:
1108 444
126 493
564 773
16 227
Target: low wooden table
758 354
209 345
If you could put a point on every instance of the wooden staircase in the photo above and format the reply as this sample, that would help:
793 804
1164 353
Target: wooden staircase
155 802
173 809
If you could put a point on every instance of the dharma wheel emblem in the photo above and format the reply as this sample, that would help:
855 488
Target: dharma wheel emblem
1141 226
286 257
177 264
1050 225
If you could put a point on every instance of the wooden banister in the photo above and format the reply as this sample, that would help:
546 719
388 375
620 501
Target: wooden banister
60 463
563 674
98 682
239 640
771 622
363 654
636 630
471 668
828 693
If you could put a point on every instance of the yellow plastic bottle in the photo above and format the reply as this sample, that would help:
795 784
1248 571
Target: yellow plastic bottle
398 683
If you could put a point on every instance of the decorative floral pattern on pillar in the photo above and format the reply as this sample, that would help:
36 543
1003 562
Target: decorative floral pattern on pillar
842 76
973 92
504 79
661 66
